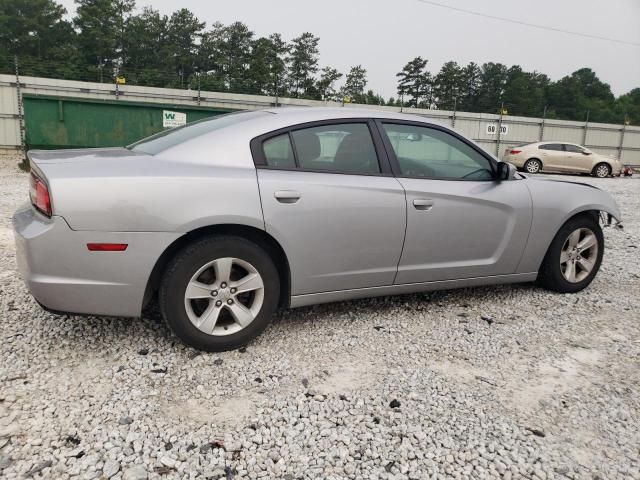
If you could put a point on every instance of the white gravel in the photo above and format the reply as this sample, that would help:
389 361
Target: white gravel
499 382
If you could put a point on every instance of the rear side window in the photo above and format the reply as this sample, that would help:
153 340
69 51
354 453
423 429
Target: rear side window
278 152
342 148
551 146
335 148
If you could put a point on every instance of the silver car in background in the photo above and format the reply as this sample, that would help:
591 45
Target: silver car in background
562 157
227 218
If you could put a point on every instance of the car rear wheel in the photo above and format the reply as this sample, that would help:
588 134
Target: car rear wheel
601 170
574 257
533 165
219 293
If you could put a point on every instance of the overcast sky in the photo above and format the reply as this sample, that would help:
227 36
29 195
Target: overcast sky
383 35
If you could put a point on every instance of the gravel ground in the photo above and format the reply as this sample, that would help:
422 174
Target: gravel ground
500 382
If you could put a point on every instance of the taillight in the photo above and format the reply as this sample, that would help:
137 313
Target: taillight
514 152
39 195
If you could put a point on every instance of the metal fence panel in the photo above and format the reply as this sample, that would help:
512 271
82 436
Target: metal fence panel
603 138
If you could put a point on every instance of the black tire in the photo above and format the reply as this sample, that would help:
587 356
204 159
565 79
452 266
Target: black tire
550 275
187 262
533 165
597 169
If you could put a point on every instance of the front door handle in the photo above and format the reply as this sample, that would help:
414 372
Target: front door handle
423 203
287 196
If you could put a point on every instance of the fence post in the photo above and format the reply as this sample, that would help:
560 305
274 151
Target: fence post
21 127
620 145
499 130
544 117
455 106
198 75
586 127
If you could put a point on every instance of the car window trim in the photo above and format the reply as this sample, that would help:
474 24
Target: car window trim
395 164
260 161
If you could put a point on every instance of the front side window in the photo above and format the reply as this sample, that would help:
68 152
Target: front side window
552 146
341 148
573 148
431 153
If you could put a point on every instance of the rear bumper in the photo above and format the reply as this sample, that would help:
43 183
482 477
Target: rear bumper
63 275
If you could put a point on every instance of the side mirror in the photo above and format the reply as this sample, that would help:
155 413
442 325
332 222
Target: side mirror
586 152
506 171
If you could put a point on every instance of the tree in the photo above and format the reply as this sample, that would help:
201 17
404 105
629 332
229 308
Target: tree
573 96
354 84
524 92
447 85
372 98
101 26
328 77
35 30
627 107
493 78
147 46
267 65
469 88
184 31
303 64
414 83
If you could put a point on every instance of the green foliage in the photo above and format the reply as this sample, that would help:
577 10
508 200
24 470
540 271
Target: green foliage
355 83
303 64
107 38
414 84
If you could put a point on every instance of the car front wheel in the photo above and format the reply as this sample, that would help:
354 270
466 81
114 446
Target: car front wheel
219 293
574 256
602 170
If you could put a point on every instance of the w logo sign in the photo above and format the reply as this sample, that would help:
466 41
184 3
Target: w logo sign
173 119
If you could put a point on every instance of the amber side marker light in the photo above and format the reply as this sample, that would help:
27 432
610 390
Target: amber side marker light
107 247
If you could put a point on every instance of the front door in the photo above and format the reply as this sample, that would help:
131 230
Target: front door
338 214
461 223
553 157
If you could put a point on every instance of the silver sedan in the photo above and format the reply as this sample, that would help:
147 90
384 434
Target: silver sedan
228 218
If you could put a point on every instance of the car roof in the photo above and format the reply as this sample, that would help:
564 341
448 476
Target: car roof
283 117
310 114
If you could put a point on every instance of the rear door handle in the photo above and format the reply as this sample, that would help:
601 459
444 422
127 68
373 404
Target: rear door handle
423 203
287 196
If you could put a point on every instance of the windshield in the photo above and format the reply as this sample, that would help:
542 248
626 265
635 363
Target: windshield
169 138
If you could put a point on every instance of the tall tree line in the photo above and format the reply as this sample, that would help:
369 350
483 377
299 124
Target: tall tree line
110 38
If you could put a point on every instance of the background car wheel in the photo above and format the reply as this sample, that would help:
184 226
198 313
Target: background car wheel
533 165
601 170
219 293
574 256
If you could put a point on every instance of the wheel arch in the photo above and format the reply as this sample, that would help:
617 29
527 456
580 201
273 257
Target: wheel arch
256 235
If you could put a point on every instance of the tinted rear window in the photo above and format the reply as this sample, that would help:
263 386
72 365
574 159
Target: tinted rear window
170 138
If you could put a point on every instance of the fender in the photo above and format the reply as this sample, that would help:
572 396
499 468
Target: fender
555 202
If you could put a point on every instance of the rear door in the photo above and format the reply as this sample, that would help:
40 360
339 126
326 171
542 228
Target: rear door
461 223
330 199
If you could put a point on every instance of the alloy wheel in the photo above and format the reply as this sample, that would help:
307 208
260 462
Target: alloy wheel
578 255
602 171
224 296
532 166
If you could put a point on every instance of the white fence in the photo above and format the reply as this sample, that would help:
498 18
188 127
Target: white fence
493 132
